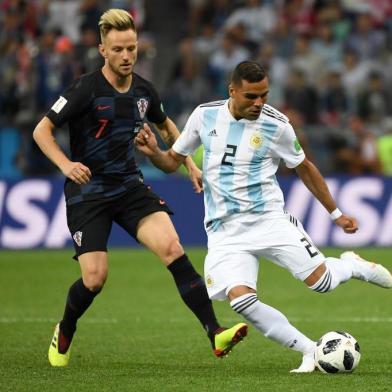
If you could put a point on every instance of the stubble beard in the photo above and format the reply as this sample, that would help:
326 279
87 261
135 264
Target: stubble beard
120 73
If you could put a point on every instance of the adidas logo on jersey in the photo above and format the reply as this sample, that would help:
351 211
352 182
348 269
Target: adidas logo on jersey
213 133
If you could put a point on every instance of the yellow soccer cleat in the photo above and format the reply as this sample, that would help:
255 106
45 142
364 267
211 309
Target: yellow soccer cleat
55 357
226 339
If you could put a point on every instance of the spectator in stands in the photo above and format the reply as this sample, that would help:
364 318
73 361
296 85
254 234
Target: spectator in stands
223 61
55 68
185 50
355 149
9 99
282 38
375 100
354 73
384 149
64 13
278 71
257 17
205 43
186 91
302 96
366 160
239 34
212 12
333 14
334 102
368 42
146 55
325 46
306 59
300 15
86 52
90 12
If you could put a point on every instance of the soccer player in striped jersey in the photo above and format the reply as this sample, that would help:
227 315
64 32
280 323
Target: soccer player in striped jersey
244 140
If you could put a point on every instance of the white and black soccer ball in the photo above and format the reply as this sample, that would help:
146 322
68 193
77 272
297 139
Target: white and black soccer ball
337 352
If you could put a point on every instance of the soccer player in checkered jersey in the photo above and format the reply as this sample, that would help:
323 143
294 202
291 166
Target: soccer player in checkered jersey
104 110
244 139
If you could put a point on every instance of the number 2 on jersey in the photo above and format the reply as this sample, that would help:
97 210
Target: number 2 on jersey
312 250
103 122
229 154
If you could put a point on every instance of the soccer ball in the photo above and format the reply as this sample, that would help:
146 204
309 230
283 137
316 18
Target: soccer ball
337 352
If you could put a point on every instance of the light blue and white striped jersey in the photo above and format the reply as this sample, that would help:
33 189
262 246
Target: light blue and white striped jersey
240 158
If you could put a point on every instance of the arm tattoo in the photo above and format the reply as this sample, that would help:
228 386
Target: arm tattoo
168 137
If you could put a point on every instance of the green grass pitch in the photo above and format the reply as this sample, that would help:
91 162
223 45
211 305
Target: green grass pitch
138 335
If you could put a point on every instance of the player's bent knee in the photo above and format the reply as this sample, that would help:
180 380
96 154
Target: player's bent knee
94 281
324 283
172 251
94 286
244 303
315 276
238 291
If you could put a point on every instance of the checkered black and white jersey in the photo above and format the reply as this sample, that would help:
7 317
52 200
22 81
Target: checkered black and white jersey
102 125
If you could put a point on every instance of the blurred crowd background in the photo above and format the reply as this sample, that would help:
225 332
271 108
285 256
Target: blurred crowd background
329 64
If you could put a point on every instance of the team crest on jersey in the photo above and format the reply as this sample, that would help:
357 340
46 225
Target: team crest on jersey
256 140
78 238
142 105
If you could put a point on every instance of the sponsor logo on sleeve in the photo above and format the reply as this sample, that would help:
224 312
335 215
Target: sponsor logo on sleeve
297 145
59 104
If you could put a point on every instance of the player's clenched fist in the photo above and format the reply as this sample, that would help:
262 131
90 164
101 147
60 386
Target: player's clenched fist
347 223
146 141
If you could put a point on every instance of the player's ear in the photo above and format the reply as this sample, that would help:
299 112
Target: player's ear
231 90
102 51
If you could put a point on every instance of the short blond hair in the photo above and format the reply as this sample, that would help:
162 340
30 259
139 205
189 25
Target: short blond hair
115 19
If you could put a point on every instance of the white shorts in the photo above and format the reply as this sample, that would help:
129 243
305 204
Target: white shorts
234 250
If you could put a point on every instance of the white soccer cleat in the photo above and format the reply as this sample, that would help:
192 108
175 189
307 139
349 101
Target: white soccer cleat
308 364
368 271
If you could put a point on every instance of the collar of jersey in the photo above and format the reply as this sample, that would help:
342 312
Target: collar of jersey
228 113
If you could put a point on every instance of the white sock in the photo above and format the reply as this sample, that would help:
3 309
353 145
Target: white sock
337 272
271 323
340 271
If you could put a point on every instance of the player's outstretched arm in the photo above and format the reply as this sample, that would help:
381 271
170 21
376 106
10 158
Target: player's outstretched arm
43 136
146 142
169 133
315 182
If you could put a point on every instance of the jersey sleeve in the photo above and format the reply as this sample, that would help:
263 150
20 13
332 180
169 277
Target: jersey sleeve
288 147
155 113
71 103
189 139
